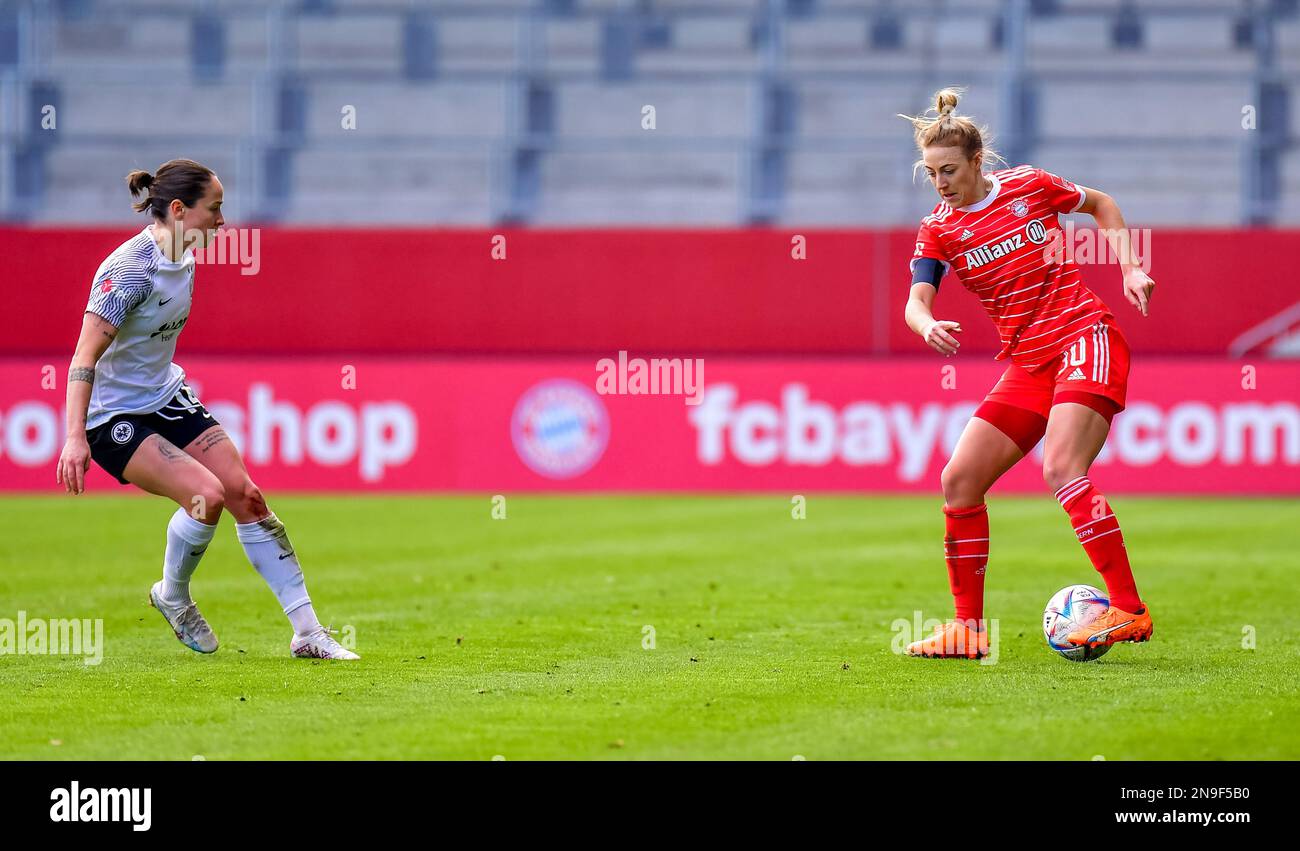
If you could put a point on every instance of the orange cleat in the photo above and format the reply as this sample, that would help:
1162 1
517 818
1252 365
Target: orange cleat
952 640
1113 626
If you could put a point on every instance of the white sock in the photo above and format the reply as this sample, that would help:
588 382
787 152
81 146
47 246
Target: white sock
266 543
187 539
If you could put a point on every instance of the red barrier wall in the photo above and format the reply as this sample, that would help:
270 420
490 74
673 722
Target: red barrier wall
651 292
1193 426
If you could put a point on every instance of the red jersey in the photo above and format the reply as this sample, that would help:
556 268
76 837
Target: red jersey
1002 250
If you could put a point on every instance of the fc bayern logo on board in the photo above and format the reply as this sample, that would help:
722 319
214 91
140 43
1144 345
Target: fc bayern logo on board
560 428
122 433
1019 208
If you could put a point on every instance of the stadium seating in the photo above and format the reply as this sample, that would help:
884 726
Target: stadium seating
531 110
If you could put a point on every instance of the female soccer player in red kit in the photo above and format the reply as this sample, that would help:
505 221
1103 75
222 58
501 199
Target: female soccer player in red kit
1068 363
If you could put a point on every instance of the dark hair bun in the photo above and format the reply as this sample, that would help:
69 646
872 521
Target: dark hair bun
185 180
139 181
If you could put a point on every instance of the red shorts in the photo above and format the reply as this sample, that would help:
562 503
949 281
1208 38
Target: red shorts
1092 371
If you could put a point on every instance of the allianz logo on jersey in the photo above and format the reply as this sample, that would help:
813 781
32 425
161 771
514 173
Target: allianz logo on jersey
1034 231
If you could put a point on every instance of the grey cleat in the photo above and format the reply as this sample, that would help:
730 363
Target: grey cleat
189 625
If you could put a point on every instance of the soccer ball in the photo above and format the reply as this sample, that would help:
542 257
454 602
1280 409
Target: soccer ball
1070 608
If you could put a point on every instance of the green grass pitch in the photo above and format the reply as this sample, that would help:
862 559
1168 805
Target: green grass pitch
523 637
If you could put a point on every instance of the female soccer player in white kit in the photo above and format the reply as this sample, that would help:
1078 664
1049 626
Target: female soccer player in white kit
130 410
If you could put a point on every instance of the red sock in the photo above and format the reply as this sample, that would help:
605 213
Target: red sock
966 550
1098 531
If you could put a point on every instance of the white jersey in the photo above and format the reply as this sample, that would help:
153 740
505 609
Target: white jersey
147 297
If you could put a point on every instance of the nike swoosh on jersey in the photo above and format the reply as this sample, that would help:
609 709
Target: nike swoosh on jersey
163 301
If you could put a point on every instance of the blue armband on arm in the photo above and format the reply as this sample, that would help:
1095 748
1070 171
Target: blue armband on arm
927 270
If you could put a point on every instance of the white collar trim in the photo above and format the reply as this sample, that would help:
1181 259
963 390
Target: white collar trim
186 259
987 199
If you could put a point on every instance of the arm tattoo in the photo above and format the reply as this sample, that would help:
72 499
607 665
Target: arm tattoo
82 373
211 440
